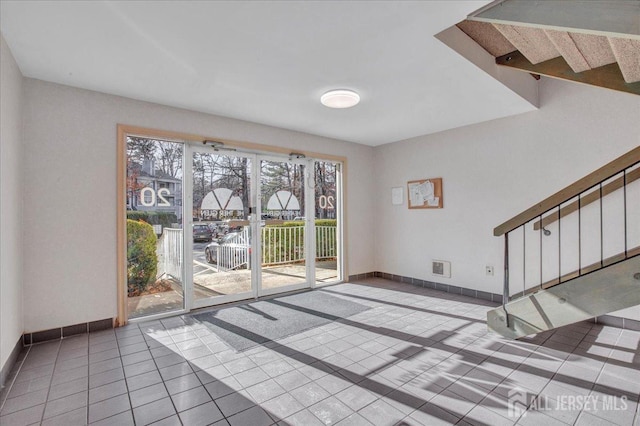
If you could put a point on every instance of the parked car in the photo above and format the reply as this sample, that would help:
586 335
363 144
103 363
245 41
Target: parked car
202 232
230 252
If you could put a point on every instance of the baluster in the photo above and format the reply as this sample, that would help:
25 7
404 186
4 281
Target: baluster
524 259
601 230
505 290
580 233
624 195
559 245
541 231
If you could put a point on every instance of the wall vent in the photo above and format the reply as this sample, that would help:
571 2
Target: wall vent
441 268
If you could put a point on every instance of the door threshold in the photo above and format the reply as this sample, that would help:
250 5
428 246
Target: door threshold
246 301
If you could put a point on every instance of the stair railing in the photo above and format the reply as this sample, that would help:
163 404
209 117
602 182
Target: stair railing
575 213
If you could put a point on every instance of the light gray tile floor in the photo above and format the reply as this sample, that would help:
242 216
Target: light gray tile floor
416 357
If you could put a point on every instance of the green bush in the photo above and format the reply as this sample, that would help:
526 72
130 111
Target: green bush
319 222
290 224
154 218
326 222
142 260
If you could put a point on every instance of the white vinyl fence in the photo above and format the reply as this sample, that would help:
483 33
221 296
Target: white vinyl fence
326 242
172 253
280 245
235 253
285 244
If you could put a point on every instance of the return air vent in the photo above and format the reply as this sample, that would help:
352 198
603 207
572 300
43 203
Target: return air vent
441 268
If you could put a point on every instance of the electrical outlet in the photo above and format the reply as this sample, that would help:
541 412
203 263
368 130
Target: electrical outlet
489 270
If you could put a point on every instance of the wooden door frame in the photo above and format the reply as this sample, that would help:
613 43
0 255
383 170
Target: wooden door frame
124 130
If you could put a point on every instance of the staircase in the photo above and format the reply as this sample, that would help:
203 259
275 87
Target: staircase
589 42
574 255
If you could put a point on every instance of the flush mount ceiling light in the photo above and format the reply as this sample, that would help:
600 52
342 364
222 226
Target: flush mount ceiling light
340 98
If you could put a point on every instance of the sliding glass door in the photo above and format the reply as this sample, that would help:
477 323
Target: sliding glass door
207 226
283 245
221 235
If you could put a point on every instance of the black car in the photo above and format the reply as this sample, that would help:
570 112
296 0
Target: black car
202 232
231 252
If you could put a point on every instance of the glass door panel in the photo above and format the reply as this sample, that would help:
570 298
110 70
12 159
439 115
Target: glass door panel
326 176
154 227
222 237
282 233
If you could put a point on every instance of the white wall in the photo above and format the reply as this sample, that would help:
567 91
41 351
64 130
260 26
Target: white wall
70 193
11 154
491 172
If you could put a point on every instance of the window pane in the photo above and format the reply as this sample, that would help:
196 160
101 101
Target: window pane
154 230
282 236
221 231
326 212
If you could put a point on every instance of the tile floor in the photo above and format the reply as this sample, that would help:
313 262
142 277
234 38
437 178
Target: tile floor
417 357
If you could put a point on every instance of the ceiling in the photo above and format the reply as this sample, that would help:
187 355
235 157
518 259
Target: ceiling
267 62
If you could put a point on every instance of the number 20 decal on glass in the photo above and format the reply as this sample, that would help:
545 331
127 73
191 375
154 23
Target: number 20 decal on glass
326 202
149 197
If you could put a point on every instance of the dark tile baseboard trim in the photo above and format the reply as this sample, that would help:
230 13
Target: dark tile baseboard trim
358 277
5 371
609 320
62 332
492 297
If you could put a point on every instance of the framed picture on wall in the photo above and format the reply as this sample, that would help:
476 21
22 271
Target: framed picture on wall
425 193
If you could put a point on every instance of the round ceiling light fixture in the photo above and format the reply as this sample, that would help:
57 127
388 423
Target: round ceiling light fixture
341 98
